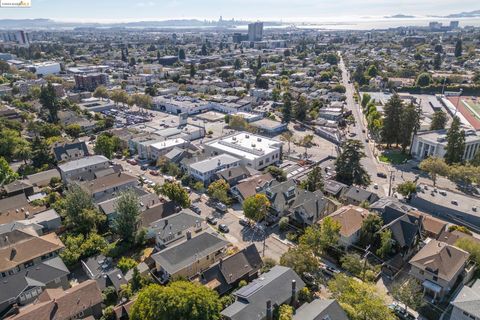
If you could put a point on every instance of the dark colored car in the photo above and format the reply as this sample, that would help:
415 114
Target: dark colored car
223 228
381 175
196 209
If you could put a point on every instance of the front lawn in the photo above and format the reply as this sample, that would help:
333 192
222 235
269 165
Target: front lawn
393 157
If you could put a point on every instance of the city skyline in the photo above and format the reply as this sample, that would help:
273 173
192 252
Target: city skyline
304 10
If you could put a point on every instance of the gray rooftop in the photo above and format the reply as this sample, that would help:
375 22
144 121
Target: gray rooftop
213 163
320 309
468 299
274 285
82 163
182 255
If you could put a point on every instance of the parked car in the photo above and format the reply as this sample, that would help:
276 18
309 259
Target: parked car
221 207
144 167
223 228
331 271
154 172
212 220
196 209
401 312
244 222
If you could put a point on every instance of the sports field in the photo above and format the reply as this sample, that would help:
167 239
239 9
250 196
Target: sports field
474 106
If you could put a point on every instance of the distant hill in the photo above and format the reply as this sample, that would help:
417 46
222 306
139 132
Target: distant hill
469 14
399 16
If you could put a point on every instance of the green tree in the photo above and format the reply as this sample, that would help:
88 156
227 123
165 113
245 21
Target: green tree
314 180
204 51
321 237
437 61
470 245
126 263
455 143
288 137
392 120
285 312
439 120
360 300
465 175
104 145
79 246
175 192
371 225
300 110
79 212
181 54
178 300
218 190
237 64
458 48
193 71
301 259
410 123
348 167
49 101
410 293
73 130
23 152
127 219
372 71
407 188
7 175
287 107
424 79
434 167
352 263
365 100
256 207
386 244
101 92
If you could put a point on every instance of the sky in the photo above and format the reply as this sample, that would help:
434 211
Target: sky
266 10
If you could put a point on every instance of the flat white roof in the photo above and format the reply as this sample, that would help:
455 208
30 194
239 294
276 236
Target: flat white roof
168 143
214 162
246 145
82 163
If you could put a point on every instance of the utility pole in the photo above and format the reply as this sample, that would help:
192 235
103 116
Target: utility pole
365 261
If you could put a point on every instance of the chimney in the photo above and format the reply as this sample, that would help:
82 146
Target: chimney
13 253
189 235
220 262
269 310
294 293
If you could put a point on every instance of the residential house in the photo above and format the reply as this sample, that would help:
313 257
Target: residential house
85 164
466 303
438 266
320 309
189 258
351 219
174 228
303 207
205 170
258 299
79 302
24 248
225 275
251 186
431 227
123 310
25 286
17 208
18 187
334 188
100 269
111 184
356 196
68 151
42 179
233 175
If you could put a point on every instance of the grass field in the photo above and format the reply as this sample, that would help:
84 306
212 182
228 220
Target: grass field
475 106
393 157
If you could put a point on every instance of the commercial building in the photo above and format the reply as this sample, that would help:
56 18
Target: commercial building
255 151
433 144
86 164
19 37
45 68
160 148
255 31
90 81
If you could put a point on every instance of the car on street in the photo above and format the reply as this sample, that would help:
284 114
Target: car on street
154 172
401 313
382 175
375 186
221 207
196 209
212 220
331 271
244 222
144 167
223 228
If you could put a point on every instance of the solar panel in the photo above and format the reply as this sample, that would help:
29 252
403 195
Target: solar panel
249 290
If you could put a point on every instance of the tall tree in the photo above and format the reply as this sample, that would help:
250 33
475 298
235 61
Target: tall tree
79 212
192 70
7 175
391 122
361 300
256 207
348 167
386 244
175 192
370 228
314 180
455 142
288 137
49 101
439 120
437 61
434 167
178 300
410 123
301 109
101 92
410 293
458 48
287 107
104 145
181 54
301 259
218 190
127 219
